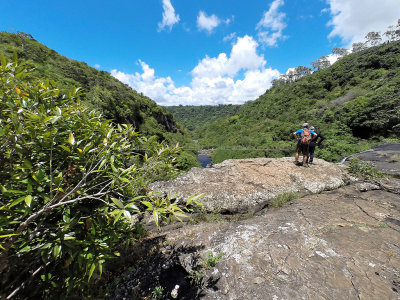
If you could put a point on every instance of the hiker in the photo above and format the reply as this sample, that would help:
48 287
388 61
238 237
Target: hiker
313 144
303 136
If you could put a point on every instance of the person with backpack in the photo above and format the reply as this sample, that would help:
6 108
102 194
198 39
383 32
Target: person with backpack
303 136
313 144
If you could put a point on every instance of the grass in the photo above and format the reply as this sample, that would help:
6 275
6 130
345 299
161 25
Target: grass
284 198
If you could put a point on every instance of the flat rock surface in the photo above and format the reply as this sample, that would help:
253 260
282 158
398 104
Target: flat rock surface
342 244
243 185
386 158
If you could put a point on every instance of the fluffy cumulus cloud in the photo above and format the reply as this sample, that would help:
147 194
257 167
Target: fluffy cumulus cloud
169 16
225 79
207 23
353 19
270 28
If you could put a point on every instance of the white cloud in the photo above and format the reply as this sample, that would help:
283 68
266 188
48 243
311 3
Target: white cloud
207 23
230 37
169 16
272 24
97 66
216 80
353 19
229 20
243 56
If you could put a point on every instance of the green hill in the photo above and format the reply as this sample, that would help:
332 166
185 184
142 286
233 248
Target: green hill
355 103
193 117
114 99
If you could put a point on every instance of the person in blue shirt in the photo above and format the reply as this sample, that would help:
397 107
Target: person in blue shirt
303 136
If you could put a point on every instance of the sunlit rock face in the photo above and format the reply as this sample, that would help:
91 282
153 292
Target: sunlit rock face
241 185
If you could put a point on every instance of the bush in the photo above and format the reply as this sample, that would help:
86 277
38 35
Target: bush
70 184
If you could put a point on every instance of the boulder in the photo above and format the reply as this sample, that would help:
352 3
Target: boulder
242 185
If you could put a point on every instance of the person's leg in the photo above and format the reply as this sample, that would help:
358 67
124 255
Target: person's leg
311 154
305 153
298 149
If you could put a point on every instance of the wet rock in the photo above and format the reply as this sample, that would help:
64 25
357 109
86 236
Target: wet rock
244 185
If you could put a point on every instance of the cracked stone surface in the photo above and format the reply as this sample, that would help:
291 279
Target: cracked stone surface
243 185
342 244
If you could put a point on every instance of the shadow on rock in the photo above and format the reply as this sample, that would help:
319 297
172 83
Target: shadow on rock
161 268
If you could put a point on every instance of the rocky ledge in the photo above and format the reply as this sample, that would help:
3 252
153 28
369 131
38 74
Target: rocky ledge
336 241
242 185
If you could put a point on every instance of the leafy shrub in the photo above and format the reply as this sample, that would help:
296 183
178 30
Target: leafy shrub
70 184
364 169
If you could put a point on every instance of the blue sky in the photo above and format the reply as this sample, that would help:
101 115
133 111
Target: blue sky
196 52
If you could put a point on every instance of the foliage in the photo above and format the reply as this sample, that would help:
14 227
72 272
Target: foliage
194 116
157 293
211 261
364 169
196 277
281 199
70 184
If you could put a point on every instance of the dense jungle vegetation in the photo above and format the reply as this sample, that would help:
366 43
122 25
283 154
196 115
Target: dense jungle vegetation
355 103
100 91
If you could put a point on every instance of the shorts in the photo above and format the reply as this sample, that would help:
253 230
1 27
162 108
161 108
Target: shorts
302 148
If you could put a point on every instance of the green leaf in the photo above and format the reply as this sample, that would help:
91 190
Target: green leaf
65 148
17 201
25 249
118 216
56 250
71 139
28 200
3 60
92 268
8 235
117 202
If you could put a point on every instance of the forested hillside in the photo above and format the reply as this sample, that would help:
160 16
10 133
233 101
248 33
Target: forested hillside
355 103
112 98
193 117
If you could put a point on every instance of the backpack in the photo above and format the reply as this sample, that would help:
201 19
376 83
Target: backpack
305 137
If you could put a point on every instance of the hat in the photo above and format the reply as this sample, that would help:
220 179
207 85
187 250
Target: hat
305 125
312 128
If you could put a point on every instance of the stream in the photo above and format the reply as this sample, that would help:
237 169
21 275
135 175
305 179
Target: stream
204 160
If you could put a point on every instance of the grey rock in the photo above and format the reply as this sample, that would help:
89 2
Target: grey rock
340 244
367 186
244 185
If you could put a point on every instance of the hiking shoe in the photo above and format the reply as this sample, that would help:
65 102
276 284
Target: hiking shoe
306 165
299 164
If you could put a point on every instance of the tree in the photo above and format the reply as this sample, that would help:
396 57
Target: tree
278 82
321 63
357 47
393 32
340 52
303 71
70 185
373 38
